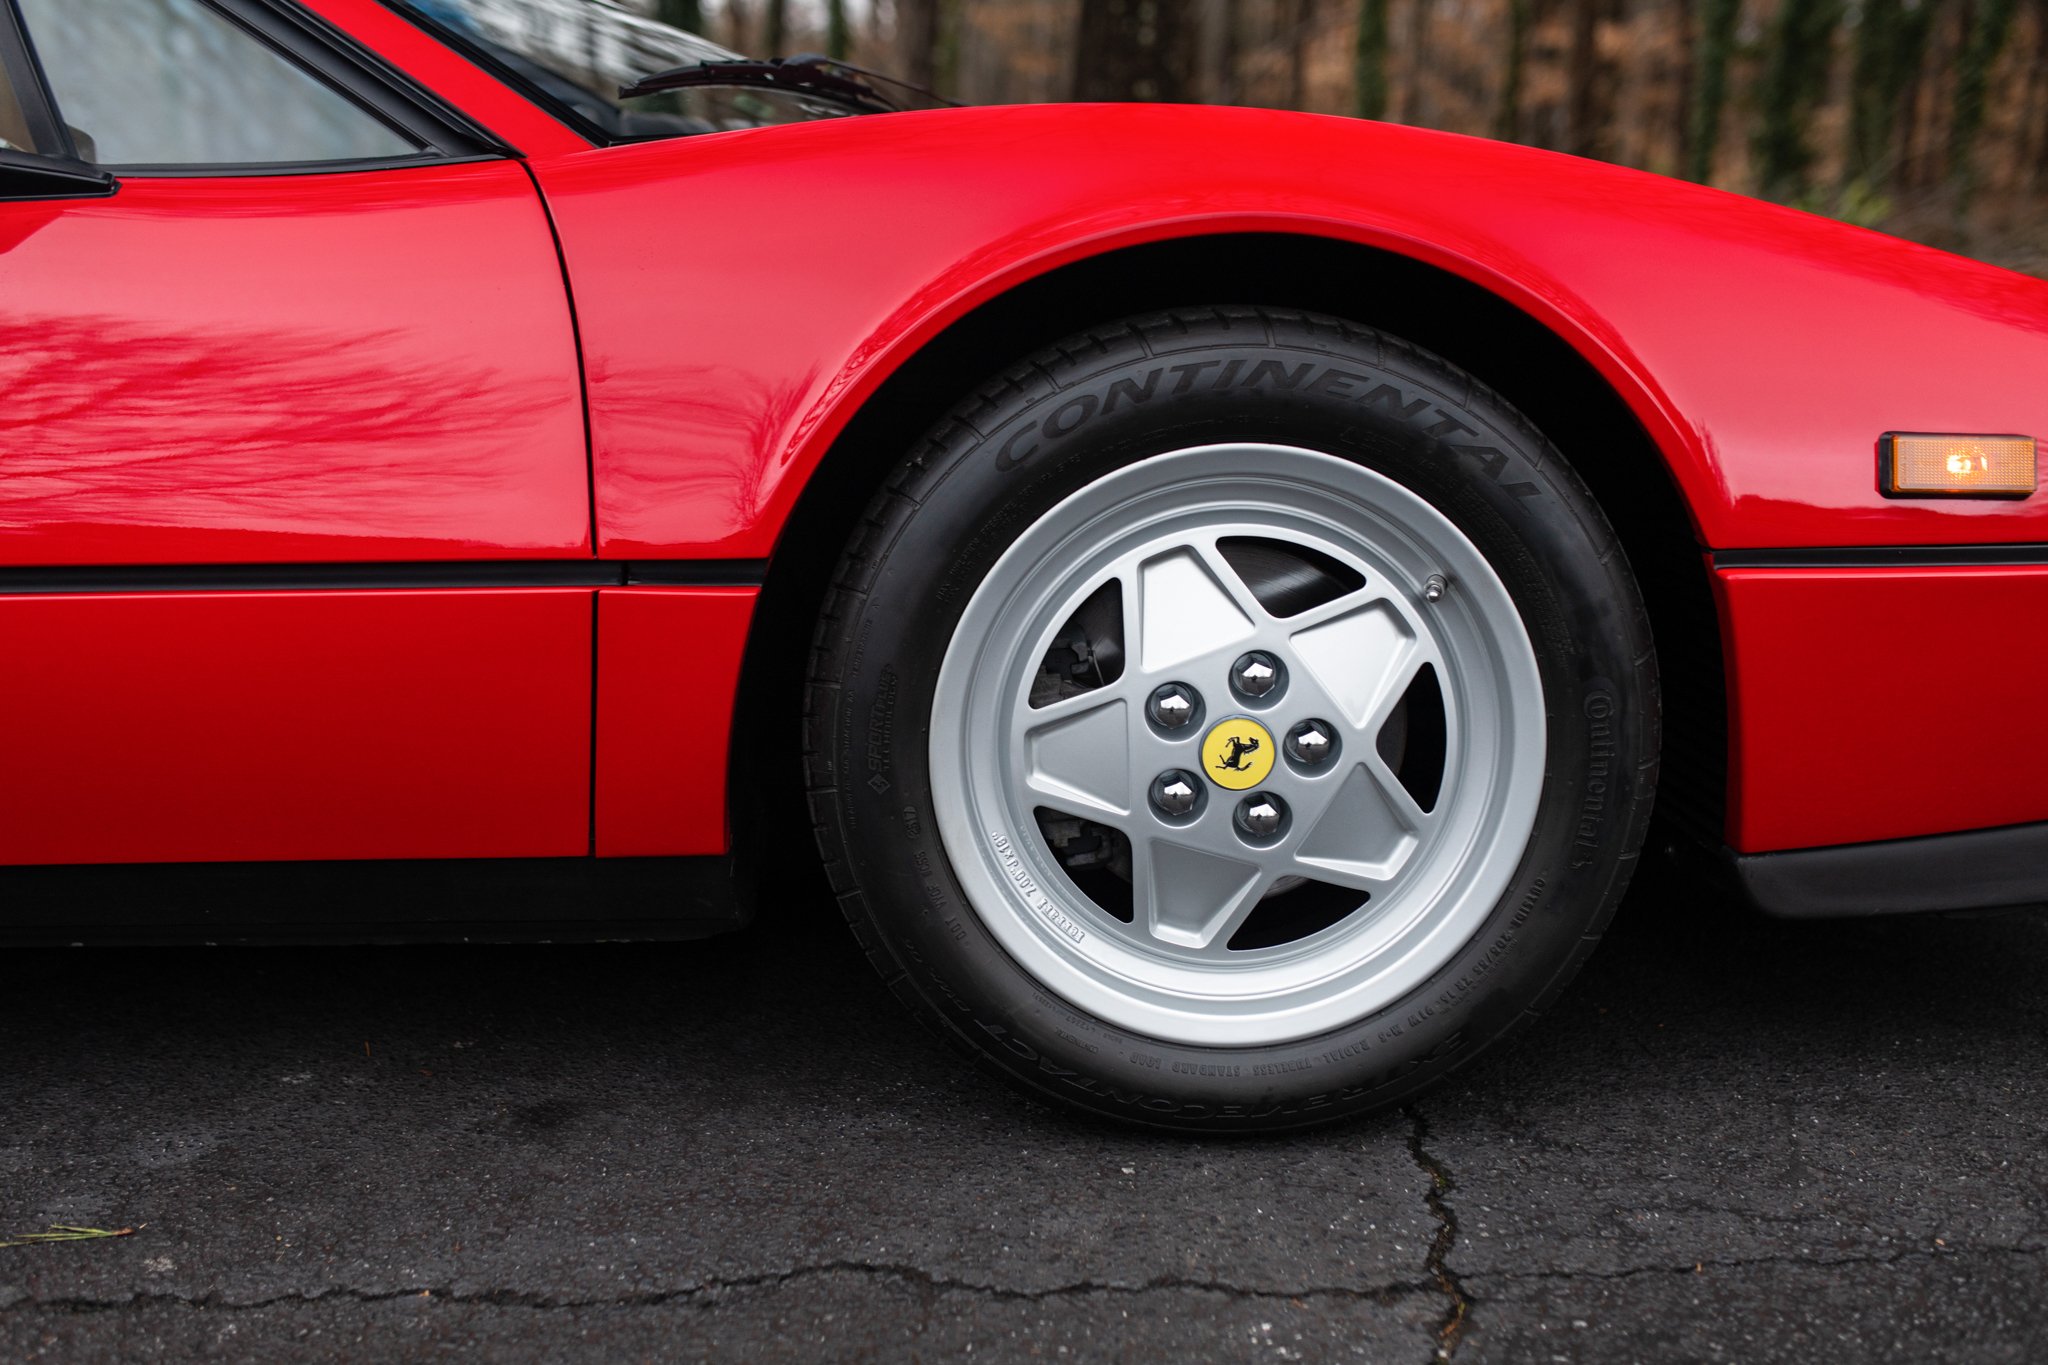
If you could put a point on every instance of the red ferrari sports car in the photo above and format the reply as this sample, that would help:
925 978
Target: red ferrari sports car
1221 588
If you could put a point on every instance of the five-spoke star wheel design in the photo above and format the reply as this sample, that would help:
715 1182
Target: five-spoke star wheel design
1346 818
1276 677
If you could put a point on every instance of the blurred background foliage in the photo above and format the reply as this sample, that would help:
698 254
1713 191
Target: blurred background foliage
1926 118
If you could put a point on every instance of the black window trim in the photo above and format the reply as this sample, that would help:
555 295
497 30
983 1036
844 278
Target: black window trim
482 57
53 171
211 170
367 78
445 134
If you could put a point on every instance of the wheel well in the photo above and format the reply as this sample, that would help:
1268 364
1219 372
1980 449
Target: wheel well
1511 352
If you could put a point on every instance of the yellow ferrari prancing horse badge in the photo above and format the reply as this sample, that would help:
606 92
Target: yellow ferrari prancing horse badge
1237 753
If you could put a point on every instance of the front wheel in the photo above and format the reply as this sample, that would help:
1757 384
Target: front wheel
1232 719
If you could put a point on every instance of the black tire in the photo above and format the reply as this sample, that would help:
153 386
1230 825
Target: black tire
957 502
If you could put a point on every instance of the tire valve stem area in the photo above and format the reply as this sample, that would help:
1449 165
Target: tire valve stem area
1435 588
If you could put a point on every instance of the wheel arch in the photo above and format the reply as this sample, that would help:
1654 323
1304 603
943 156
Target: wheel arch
1528 362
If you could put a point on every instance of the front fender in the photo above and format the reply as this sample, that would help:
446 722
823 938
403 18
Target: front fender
740 295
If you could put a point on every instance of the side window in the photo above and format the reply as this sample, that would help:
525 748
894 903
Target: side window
159 84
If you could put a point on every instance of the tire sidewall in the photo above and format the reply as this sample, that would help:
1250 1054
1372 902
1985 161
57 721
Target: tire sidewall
1302 381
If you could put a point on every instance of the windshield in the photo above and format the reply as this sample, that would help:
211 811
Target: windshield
575 55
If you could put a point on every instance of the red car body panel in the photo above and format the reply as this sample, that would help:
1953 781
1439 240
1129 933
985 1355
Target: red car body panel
1884 703
740 295
239 726
371 366
394 376
668 668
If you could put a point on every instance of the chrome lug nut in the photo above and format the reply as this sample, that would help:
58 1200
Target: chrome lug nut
1175 792
1172 706
1262 816
1255 674
1311 743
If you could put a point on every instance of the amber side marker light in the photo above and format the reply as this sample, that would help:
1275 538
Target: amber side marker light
1923 465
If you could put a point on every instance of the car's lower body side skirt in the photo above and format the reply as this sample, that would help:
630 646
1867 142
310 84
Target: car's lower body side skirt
1971 870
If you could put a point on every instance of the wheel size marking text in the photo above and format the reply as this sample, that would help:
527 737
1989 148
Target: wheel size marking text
1034 897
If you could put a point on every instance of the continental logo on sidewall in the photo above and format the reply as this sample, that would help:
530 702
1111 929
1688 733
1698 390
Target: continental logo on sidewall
1237 753
1372 394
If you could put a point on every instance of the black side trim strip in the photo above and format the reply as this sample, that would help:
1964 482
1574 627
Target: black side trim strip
539 573
698 573
1882 557
1978 869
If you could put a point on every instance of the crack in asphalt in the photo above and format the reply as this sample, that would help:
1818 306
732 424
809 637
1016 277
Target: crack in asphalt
1750 1262
1446 1280
1382 1295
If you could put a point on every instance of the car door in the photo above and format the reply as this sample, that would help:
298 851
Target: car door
294 515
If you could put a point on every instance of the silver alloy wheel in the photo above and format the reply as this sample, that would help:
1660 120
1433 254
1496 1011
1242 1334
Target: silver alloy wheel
1426 873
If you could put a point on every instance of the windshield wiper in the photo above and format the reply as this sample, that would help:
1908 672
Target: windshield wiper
851 87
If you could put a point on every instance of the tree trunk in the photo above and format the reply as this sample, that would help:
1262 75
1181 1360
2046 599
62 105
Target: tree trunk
917 41
1710 87
838 36
2039 75
1590 102
1685 19
951 22
1296 38
1800 43
1890 43
774 23
687 15
1419 17
1220 41
1987 38
1507 116
1132 50
1369 61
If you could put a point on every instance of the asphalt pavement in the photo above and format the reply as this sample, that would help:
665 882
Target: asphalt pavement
1732 1140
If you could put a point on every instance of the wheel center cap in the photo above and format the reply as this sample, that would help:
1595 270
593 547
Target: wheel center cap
1237 753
